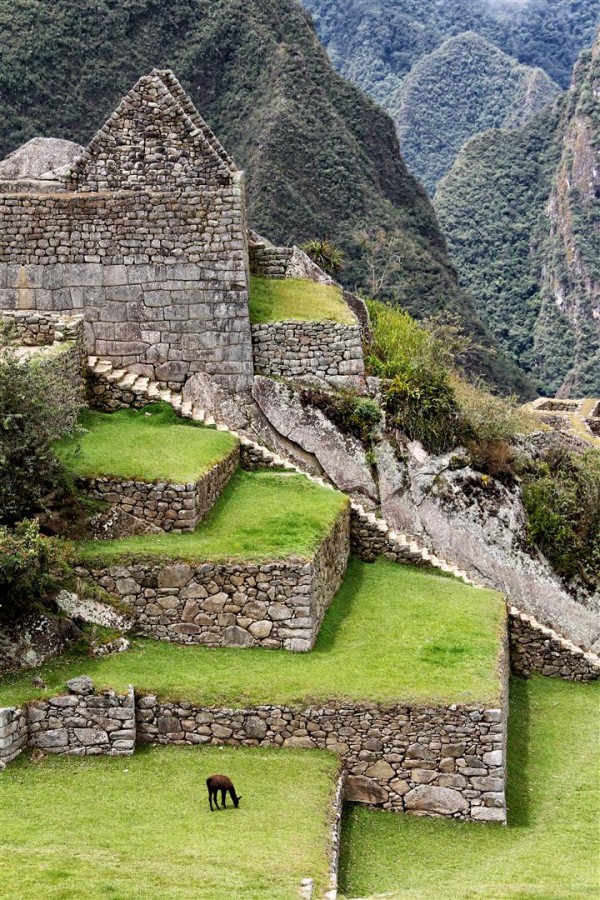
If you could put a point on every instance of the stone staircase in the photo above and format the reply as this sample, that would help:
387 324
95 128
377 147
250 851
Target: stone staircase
371 536
116 387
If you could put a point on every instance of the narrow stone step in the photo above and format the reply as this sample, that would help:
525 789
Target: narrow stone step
209 421
186 409
197 414
92 360
103 367
222 427
140 386
176 402
153 390
116 375
128 380
165 395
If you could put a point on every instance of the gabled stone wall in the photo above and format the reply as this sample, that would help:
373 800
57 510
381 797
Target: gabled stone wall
148 243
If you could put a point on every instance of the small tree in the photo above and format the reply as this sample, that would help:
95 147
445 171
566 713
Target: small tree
383 252
37 406
29 567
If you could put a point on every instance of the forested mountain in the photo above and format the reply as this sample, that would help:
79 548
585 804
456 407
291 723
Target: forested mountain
465 86
522 213
375 43
320 157
448 69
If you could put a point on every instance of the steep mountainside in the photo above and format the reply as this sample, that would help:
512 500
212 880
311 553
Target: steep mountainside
320 158
376 42
465 86
522 216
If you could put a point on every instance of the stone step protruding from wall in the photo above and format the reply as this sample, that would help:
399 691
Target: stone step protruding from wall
537 649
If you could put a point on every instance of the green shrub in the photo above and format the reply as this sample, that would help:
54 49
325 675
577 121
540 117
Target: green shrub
37 406
29 567
325 254
561 494
415 369
354 415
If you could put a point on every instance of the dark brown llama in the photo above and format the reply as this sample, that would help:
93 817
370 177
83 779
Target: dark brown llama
224 784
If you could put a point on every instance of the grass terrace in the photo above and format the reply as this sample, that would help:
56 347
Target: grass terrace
151 444
77 828
548 851
296 299
259 516
392 634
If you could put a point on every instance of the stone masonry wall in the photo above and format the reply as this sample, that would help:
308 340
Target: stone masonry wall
168 296
447 762
534 648
172 507
13 733
300 349
274 605
84 724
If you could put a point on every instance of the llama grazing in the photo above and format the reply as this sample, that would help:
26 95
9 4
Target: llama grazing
224 784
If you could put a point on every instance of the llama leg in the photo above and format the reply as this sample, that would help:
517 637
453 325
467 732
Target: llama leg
210 799
224 798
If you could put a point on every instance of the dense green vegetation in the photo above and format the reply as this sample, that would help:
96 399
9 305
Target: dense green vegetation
493 205
547 850
30 566
283 299
259 515
561 494
151 444
427 400
141 827
388 634
321 159
376 42
464 87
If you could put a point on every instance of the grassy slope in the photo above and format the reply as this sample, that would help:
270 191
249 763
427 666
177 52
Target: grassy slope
148 445
393 633
320 158
285 299
93 827
549 849
259 515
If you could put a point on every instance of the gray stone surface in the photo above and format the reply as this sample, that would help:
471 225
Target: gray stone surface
83 684
341 457
40 158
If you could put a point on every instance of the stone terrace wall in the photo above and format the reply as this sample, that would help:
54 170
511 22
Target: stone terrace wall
274 605
32 328
300 349
172 507
447 762
13 733
84 724
534 648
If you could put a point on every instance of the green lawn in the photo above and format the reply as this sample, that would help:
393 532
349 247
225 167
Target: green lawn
152 444
124 828
393 633
260 515
288 299
549 851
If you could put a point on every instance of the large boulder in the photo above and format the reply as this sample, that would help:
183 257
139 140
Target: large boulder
340 456
204 392
359 789
44 159
426 798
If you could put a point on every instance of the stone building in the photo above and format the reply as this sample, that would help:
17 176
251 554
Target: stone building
145 235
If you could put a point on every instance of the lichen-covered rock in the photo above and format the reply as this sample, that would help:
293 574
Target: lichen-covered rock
360 789
82 684
341 457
